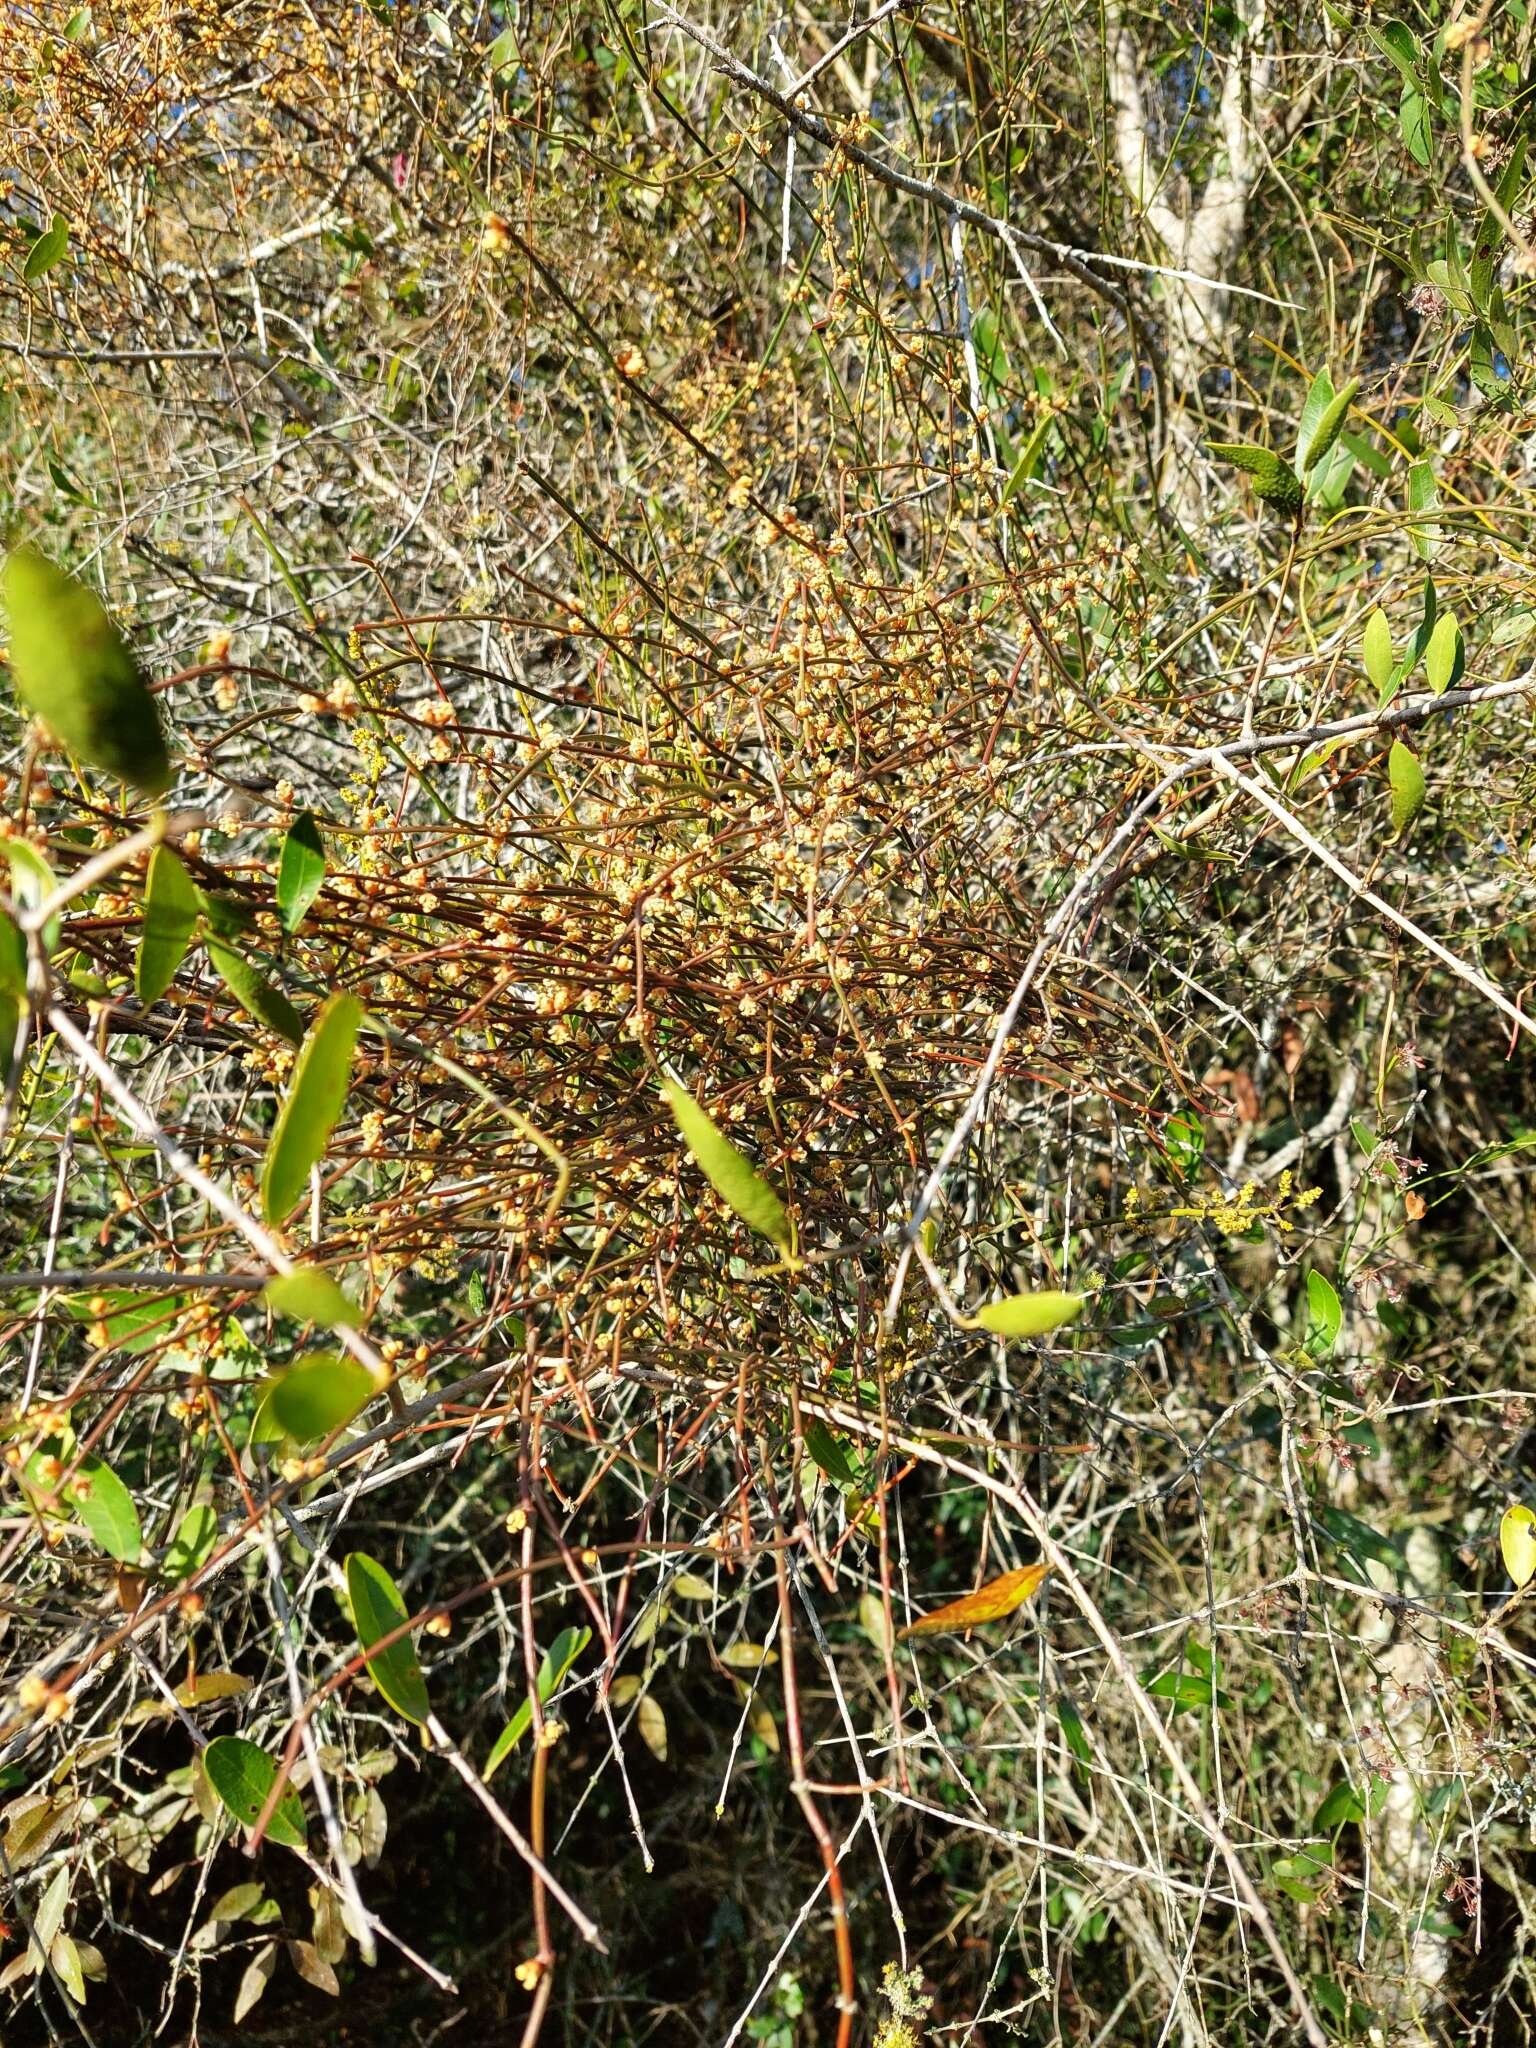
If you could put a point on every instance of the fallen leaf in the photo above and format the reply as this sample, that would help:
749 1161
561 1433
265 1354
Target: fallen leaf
990 1602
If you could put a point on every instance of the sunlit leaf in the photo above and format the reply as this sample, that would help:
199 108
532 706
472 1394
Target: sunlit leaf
102 1502
557 1661
1376 649
1274 480
170 917
830 1453
1325 1312
1517 1544
48 249
255 994
243 1776
1445 656
1330 425
192 1544
1029 1315
315 1098
652 1723
73 668
257 1976
729 1172
318 1395
206 1687
310 1295
991 1602
300 871
1407 782
377 1610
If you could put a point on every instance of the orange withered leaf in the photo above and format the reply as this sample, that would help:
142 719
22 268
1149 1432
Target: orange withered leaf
990 1602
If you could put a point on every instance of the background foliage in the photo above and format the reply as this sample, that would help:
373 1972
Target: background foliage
962 571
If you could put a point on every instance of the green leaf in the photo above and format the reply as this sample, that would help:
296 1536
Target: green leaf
1318 399
1184 1135
1358 1539
502 53
102 1502
1413 125
1490 235
1344 1803
192 1545
1029 1315
315 1099
1073 1730
1325 1314
1398 42
300 871
1330 426
1445 656
318 1395
1423 497
1517 1544
1274 480
170 916
1188 1689
377 1610
1029 459
730 1173
310 1295
73 669
1376 650
558 1659
1407 780
828 1452
243 1777
49 248
255 994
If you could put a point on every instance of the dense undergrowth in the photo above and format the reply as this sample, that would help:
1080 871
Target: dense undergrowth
652 570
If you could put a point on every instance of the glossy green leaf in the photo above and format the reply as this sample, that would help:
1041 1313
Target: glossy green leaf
1188 1689
1376 650
1330 425
315 1098
255 994
1325 1313
300 871
1517 1544
102 1502
1423 498
310 1295
1274 480
192 1545
73 669
830 1453
1344 1803
1029 1315
243 1777
1318 399
1407 780
377 1610
170 917
318 1395
730 1173
1397 41
558 1659
48 249
1445 656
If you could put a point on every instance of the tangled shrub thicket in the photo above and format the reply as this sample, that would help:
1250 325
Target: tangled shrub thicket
846 565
